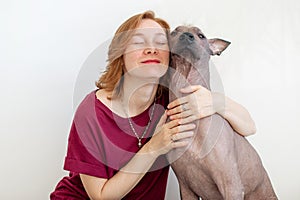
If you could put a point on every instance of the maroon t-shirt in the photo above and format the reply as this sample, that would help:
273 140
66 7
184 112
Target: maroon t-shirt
102 142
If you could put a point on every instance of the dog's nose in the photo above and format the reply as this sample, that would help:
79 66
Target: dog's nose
187 36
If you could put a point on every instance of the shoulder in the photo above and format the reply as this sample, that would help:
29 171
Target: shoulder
102 95
87 102
91 99
86 109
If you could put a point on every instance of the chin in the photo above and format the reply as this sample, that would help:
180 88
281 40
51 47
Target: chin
150 71
159 70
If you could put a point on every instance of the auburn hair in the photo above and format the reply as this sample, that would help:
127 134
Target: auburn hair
111 80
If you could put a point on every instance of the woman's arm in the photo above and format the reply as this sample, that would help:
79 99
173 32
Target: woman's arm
166 137
237 115
122 182
202 103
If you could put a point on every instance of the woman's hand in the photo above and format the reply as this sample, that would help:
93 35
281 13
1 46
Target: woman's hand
200 103
169 135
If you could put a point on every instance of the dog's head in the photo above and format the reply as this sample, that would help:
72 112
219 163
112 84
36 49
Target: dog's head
191 44
190 54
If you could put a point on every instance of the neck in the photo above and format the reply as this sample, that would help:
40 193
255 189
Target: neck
195 72
138 95
200 75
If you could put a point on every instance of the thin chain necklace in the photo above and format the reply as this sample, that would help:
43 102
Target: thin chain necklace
145 131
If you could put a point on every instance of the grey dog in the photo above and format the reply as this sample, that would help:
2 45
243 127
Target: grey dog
219 163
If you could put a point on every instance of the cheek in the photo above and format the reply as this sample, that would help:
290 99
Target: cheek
166 57
130 59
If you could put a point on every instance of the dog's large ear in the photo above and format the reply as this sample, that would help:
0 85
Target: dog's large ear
217 46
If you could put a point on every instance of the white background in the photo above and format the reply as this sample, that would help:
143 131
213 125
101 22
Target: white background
44 46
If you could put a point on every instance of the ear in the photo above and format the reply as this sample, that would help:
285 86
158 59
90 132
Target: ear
217 46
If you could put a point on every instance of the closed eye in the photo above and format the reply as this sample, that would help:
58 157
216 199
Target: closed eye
136 40
161 41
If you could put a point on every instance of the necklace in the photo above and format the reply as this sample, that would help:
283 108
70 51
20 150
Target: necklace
145 131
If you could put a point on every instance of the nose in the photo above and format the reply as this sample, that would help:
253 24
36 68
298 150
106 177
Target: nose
187 37
151 50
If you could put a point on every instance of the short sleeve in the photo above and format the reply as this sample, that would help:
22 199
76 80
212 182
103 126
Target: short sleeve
85 153
81 159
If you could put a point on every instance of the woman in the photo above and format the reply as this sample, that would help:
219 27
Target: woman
120 132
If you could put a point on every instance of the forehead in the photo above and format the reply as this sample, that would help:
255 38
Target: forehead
149 25
188 29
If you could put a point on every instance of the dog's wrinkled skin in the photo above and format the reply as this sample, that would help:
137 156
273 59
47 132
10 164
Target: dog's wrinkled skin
219 163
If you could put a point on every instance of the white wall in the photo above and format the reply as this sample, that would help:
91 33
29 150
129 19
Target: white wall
44 50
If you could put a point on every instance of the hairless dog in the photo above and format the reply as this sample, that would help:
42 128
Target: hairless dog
219 163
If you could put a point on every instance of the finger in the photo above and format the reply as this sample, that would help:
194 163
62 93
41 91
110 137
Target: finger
181 115
182 128
163 119
177 102
161 122
178 109
189 119
183 135
179 144
172 124
190 89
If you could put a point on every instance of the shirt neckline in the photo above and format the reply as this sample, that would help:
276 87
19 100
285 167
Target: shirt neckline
135 118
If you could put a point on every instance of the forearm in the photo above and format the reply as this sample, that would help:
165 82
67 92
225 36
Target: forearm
124 180
238 116
129 176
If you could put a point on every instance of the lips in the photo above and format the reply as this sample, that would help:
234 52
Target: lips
151 61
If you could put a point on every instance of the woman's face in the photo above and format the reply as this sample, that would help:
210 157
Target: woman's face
147 54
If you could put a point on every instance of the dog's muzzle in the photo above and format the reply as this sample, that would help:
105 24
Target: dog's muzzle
187 38
186 46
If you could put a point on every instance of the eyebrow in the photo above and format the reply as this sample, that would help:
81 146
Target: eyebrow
141 34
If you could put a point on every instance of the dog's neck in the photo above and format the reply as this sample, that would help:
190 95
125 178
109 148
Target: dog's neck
196 72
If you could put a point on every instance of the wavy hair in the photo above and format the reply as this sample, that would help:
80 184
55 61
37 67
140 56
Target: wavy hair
111 79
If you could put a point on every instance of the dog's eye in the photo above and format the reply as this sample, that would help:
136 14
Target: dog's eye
173 33
201 36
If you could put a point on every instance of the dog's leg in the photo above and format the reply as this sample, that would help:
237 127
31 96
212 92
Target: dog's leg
264 191
227 178
186 193
230 183
232 189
